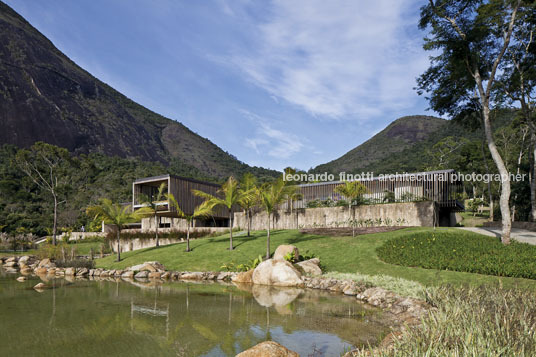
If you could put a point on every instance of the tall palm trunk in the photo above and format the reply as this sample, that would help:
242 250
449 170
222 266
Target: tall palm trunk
118 244
268 238
156 229
230 229
188 237
350 219
248 217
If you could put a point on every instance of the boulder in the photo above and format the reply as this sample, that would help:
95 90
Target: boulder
311 267
82 272
378 297
165 275
11 264
224 275
26 271
141 275
192 275
285 249
154 275
244 277
40 286
268 349
128 274
148 266
277 273
40 271
21 278
24 259
44 263
70 271
10 259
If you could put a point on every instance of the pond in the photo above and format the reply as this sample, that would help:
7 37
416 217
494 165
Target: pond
118 318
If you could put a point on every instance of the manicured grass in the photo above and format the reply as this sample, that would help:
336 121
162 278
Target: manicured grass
461 252
471 220
337 254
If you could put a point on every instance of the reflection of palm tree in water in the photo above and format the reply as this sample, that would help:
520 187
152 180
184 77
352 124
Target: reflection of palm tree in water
268 334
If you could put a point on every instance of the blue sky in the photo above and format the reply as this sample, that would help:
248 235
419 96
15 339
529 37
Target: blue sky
275 83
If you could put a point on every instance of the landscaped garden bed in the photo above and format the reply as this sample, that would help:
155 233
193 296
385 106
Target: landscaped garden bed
461 252
347 231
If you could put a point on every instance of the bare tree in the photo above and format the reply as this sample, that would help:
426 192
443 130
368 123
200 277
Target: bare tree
45 164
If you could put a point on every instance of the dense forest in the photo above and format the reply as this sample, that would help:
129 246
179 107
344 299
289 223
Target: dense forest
26 207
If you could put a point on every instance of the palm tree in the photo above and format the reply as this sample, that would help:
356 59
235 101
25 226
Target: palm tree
249 192
294 195
151 206
271 196
351 190
203 210
114 214
231 197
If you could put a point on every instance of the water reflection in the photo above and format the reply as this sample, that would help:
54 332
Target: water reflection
113 317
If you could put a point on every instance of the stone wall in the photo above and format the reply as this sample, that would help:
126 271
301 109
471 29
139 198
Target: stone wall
74 236
128 245
391 214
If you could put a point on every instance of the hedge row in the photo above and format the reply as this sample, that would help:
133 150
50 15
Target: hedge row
461 251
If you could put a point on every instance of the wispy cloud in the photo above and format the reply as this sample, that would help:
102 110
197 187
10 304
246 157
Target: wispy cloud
336 59
270 140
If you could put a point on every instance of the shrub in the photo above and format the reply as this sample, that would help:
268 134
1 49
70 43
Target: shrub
466 252
400 286
75 263
484 321
178 234
252 264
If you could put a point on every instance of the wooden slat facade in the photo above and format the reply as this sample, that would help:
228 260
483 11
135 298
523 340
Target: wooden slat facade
426 186
181 188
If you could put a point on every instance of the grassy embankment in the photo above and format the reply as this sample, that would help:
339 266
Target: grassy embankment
337 254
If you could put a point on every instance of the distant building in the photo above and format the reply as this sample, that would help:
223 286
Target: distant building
442 187
181 188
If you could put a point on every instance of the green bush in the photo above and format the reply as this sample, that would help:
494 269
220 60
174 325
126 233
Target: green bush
461 251
75 263
468 321
175 234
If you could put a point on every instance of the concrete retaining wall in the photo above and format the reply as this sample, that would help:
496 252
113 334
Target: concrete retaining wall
391 214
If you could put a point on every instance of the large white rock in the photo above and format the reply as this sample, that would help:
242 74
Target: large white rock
148 266
268 349
311 267
285 249
277 273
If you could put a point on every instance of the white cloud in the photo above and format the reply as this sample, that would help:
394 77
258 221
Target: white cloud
272 141
337 59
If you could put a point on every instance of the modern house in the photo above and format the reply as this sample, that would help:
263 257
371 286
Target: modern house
442 187
181 188
412 199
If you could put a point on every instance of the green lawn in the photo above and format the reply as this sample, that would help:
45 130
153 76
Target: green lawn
472 220
337 254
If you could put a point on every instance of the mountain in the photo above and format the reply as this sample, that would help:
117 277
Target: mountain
44 96
400 147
